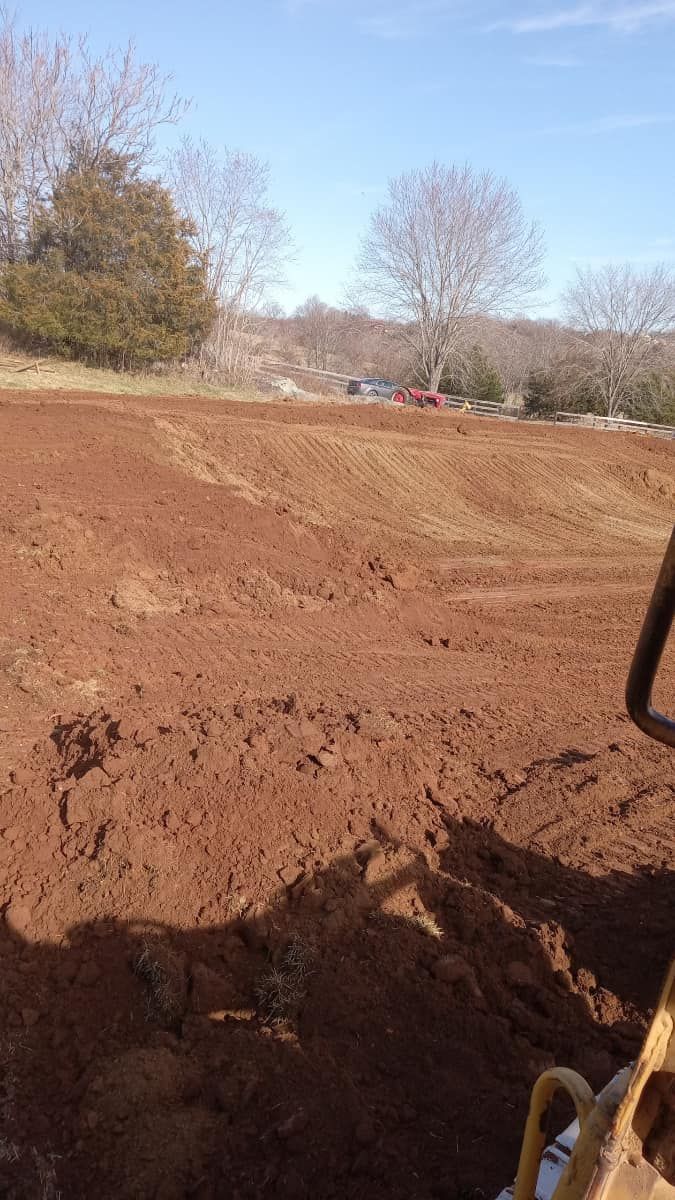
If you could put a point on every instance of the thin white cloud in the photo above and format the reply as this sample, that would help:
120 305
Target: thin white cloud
621 18
612 124
398 23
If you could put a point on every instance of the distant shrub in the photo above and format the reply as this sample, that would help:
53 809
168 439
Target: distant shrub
475 377
540 397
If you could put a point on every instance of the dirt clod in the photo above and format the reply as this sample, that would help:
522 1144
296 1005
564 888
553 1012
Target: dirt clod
520 974
328 759
453 969
212 992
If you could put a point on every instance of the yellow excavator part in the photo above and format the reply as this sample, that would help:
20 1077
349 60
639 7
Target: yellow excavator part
608 1160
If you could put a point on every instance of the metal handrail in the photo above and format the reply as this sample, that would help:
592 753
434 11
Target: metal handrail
650 647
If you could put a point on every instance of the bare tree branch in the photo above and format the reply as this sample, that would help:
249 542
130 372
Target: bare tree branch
116 106
60 106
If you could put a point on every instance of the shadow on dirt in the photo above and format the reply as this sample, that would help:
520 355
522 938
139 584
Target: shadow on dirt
418 1006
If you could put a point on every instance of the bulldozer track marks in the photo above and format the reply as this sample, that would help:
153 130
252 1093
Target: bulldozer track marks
536 501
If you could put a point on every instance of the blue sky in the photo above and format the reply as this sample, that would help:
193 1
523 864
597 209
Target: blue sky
574 102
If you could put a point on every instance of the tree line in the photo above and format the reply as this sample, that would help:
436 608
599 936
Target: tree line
117 256
547 364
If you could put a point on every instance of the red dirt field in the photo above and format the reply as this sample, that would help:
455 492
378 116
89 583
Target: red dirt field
322 827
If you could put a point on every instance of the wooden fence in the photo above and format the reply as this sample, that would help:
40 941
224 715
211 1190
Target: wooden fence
590 421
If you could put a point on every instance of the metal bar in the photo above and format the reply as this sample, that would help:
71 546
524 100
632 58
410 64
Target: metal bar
534 1138
650 647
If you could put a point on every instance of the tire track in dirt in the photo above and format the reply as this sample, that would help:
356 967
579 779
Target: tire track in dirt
545 592
544 565
634 838
473 491
579 807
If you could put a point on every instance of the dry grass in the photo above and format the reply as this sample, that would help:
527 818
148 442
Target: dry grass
427 924
424 922
37 1166
9 1151
163 977
60 374
282 988
9 1083
38 1171
237 906
46 1174
72 376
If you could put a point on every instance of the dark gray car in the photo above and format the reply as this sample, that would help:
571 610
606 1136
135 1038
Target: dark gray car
371 387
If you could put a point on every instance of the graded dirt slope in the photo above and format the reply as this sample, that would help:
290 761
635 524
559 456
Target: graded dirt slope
322 828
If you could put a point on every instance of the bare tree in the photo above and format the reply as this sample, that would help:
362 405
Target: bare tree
320 329
244 242
61 106
449 243
621 314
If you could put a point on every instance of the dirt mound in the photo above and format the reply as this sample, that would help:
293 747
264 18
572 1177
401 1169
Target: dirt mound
658 485
329 936
322 829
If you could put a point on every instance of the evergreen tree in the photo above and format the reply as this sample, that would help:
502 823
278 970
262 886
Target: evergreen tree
475 378
540 399
111 276
487 381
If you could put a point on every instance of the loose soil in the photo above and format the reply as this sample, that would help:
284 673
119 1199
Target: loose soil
322 827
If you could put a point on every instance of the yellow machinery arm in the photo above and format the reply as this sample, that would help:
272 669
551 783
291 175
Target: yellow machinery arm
607 1159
